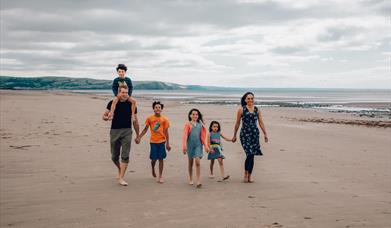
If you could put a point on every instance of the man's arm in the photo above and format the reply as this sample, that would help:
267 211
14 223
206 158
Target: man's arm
136 125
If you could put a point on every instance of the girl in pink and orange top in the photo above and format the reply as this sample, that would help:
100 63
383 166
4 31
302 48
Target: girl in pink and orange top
194 136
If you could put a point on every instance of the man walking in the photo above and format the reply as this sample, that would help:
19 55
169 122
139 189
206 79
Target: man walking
121 132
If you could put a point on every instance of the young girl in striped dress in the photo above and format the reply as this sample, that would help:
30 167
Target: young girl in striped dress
215 151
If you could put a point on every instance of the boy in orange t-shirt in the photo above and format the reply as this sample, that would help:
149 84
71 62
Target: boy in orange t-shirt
159 141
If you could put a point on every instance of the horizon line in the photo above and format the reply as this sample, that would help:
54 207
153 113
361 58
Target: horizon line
227 87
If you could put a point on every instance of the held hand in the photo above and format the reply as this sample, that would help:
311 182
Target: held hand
137 140
110 116
234 139
168 147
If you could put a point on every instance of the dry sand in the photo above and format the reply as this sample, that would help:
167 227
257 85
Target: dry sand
55 170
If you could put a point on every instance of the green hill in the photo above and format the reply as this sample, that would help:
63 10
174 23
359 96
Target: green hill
66 83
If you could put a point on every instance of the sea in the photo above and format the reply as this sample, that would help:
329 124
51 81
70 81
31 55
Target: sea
366 102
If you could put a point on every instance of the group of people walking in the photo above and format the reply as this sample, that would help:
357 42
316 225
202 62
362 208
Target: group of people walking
122 111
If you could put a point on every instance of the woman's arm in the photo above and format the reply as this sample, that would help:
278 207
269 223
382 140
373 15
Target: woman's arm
237 124
262 126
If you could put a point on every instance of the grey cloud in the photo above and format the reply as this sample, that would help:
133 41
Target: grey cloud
94 35
381 6
35 60
138 17
289 50
337 33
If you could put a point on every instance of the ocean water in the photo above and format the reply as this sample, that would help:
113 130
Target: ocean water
351 100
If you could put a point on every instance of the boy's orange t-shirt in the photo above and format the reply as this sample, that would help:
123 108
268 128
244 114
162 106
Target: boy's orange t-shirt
157 126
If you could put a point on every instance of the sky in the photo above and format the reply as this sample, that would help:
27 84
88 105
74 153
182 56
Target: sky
234 43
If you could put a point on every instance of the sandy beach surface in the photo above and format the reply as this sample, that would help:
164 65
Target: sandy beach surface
55 170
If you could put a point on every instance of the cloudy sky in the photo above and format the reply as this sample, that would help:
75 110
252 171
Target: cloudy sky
249 43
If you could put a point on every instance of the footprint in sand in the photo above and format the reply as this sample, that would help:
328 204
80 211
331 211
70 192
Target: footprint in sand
274 225
22 147
100 210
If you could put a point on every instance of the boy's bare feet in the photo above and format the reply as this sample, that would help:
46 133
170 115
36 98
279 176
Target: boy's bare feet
153 172
191 182
211 176
160 180
122 182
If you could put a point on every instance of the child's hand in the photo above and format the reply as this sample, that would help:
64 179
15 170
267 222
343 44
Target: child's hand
168 147
137 140
110 115
234 139
184 151
266 138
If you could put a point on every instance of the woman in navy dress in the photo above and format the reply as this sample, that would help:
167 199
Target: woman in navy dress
250 117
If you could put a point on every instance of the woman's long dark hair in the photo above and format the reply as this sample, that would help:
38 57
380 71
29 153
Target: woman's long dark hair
199 115
243 100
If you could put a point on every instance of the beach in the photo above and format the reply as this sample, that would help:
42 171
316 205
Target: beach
319 169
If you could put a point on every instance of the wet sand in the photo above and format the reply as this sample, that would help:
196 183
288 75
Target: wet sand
55 170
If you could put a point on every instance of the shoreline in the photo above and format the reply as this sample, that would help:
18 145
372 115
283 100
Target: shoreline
373 110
